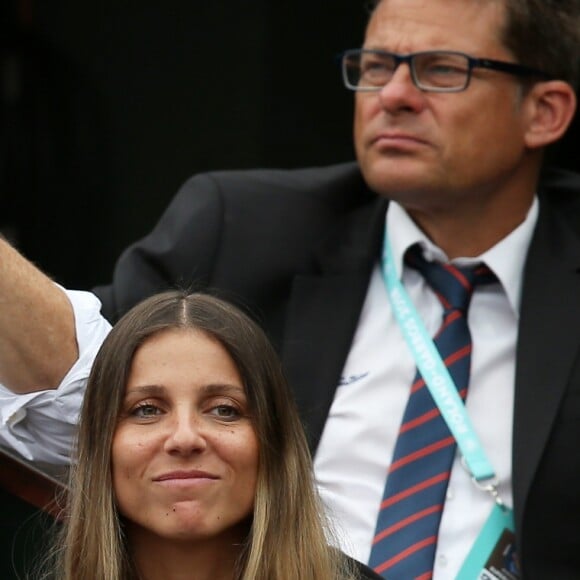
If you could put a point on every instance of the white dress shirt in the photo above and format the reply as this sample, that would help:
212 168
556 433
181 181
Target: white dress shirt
359 437
42 425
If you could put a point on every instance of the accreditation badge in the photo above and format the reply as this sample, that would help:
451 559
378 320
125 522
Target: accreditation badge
493 555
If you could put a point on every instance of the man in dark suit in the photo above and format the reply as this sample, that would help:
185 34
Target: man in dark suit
451 124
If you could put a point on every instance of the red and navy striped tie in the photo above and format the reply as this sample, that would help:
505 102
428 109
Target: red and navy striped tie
410 512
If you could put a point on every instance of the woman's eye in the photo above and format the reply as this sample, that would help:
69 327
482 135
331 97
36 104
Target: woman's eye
145 411
225 412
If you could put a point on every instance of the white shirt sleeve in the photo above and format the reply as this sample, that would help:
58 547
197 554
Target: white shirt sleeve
41 426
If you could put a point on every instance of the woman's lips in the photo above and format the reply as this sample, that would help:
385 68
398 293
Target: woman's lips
185 478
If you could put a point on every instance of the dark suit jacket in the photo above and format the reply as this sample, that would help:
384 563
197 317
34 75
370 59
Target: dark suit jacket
296 248
364 572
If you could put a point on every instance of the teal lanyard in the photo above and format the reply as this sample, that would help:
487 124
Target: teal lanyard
434 371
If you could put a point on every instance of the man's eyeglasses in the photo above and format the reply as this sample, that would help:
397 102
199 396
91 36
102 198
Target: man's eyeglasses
442 71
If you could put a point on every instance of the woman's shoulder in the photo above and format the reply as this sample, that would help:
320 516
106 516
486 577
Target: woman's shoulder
364 572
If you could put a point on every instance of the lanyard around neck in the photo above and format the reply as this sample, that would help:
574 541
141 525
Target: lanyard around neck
433 370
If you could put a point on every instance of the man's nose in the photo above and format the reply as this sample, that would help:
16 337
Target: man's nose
400 92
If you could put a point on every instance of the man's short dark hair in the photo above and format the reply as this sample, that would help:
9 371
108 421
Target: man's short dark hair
545 34
541 34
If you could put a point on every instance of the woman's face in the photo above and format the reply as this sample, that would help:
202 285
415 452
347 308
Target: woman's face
185 453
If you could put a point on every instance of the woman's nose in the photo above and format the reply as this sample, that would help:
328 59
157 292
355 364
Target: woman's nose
186 435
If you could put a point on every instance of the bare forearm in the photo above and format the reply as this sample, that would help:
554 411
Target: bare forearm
37 336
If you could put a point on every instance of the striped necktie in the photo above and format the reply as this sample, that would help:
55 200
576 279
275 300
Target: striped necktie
410 512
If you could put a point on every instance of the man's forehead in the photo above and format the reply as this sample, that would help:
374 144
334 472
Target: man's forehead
480 3
403 25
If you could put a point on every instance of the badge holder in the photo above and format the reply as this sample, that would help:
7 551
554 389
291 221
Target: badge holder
493 555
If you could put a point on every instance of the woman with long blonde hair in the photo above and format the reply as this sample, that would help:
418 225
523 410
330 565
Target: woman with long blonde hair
191 459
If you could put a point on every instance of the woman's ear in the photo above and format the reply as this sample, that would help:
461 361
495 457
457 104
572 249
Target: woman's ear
550 107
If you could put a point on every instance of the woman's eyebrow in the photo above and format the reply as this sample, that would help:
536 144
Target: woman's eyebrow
151 390
209 389
222 388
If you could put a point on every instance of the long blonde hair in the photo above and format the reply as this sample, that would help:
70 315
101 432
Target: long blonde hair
286 536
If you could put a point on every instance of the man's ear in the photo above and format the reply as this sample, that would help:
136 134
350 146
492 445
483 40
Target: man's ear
549 108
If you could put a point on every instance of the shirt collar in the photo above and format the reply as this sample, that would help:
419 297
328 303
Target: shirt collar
506 259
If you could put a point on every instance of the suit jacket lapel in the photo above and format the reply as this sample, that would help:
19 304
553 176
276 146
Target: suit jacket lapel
546 345
323 313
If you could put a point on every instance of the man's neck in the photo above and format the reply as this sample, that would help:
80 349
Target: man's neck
469 232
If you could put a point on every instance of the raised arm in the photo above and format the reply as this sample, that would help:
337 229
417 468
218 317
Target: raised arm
37 332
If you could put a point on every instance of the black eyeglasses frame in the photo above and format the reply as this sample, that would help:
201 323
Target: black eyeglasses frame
506 67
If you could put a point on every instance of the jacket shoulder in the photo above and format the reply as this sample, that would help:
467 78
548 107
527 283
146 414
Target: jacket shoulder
338 184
